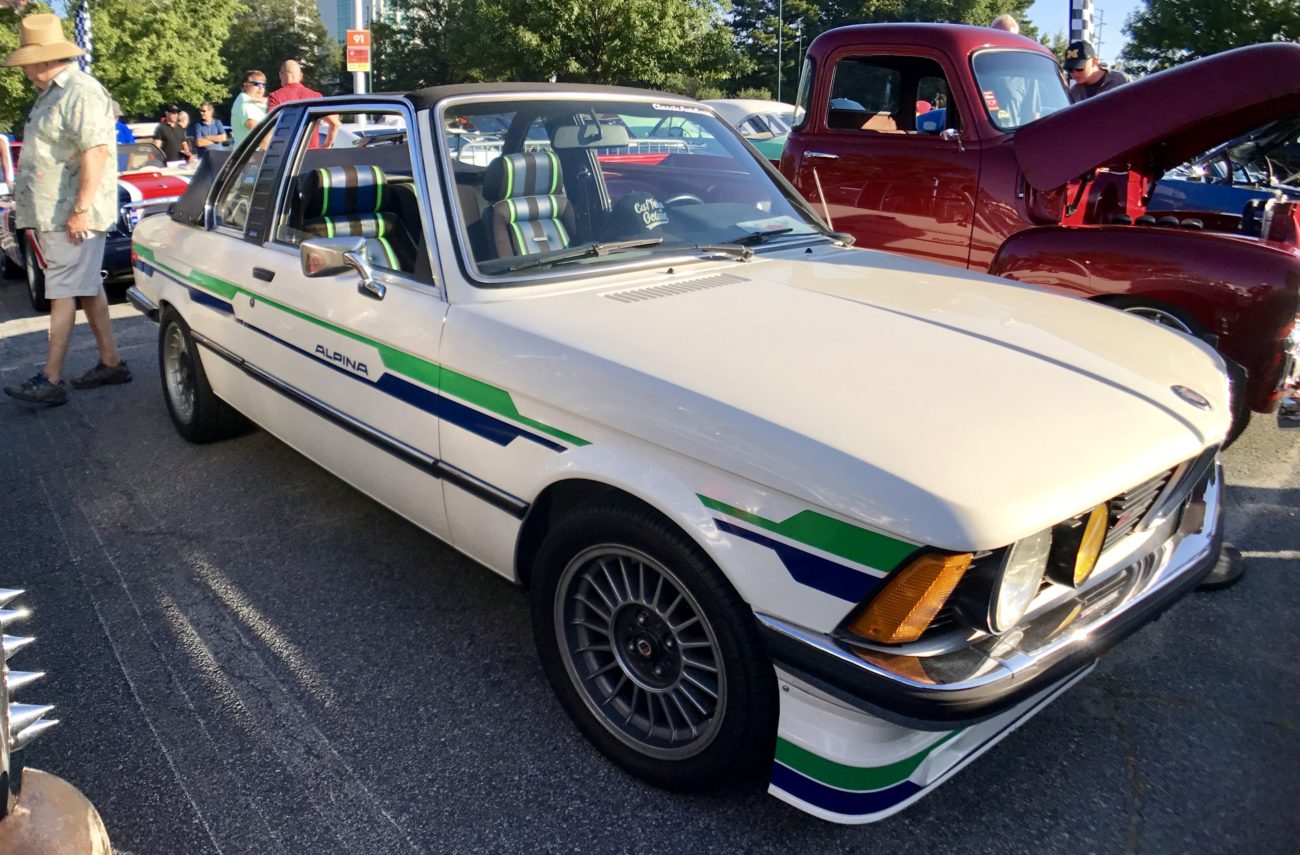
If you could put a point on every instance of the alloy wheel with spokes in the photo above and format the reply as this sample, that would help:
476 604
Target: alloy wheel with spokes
637 644
178 372
650 649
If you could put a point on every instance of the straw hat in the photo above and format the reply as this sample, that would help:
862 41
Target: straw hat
40 39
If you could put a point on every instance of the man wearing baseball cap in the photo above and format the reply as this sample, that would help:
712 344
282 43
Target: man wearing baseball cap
1087 77
65 199
170 136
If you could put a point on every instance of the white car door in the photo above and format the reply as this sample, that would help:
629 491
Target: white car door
345 376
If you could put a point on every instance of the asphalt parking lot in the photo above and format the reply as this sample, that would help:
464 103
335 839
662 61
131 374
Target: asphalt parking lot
249 656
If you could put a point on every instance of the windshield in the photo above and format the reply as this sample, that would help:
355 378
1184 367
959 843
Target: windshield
139 155
1019 86
565 186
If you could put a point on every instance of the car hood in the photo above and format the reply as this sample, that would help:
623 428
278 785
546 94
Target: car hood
146 185
1156 123
952 409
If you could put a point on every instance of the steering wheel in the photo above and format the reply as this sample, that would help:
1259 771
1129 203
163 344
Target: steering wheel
683 199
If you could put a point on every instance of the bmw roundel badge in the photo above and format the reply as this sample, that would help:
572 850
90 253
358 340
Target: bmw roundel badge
1191 396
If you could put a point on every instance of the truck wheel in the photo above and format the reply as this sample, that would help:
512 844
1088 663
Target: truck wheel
1176 319
196 411
652 653
1167 316
35 281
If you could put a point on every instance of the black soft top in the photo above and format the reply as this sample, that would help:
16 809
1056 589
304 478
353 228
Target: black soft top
423 99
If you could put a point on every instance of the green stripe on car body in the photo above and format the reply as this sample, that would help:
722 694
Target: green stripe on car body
854 778
491 398
859 545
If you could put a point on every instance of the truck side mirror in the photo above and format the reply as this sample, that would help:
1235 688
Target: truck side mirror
952 135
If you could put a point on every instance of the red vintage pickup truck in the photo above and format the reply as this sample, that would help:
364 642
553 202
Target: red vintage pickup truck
958 144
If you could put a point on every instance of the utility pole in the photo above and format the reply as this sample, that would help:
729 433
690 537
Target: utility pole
780 37
358 22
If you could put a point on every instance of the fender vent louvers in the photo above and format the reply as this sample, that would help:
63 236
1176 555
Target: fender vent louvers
673 289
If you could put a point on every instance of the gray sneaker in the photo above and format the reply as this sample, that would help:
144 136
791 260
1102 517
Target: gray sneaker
39 390
103 375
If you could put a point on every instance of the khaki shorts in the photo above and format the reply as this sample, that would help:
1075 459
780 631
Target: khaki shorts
72 271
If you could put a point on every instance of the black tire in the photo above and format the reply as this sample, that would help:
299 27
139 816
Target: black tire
35 278
1161 313
196 411
628 683
12 270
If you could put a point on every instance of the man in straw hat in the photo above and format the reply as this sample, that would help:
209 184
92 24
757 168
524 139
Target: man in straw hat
65 193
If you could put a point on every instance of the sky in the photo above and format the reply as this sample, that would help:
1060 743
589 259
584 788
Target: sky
1051 16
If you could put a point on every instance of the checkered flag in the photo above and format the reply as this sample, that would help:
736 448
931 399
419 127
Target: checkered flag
81 34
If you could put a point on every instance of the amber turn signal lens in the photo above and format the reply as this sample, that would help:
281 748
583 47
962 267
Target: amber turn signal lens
910 600
1094 536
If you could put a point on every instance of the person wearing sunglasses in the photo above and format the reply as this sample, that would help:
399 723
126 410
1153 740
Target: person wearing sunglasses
1087 76
249 107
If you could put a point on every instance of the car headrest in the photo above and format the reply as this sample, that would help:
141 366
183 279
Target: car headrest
529 173
590 136
333 191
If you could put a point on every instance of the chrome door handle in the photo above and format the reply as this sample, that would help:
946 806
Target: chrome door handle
822 155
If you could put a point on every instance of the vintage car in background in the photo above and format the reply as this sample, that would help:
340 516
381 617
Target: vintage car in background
1013 180
700 429
764 123
145 186
40 813
1236 178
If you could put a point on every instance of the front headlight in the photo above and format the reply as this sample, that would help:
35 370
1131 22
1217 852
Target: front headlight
1021 577
997 596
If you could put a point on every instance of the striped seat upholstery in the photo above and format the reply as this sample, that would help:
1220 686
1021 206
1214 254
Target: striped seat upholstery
529 212
342 201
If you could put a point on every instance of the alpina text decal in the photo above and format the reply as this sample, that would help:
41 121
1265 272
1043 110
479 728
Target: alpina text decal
340 359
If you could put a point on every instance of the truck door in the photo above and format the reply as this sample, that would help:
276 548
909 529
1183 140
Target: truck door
886 156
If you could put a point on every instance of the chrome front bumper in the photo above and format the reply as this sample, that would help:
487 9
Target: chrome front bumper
989 674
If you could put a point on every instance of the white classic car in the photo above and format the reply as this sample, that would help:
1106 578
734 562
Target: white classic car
700 429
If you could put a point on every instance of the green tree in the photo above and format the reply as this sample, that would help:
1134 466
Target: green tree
682 44
149 52
16 94
265 34
1168 32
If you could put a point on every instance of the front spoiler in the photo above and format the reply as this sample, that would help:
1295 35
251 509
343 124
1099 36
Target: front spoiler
897 688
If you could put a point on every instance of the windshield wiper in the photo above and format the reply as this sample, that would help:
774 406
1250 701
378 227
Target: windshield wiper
739 248
586 250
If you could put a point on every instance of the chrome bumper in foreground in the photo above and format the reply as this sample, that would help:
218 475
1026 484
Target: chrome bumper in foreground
992 675
142 304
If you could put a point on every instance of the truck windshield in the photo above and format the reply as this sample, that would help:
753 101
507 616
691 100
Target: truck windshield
1019 86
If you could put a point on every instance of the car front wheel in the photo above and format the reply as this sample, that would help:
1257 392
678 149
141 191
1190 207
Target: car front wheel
651 652
196 411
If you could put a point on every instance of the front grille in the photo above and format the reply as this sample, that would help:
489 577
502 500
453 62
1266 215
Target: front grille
1130 508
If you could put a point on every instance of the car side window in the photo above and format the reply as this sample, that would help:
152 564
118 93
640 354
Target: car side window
235 199
890 95
362 186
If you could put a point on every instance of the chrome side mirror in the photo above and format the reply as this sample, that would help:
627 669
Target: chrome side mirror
952 135
332 256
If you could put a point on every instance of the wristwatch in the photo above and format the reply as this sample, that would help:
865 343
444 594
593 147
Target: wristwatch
80 209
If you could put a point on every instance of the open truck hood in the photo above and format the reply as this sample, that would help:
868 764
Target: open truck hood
1161 121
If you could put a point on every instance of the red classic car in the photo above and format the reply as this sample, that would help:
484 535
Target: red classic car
144 186
958 144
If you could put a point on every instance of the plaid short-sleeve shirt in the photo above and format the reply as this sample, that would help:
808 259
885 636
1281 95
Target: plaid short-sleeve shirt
73 114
